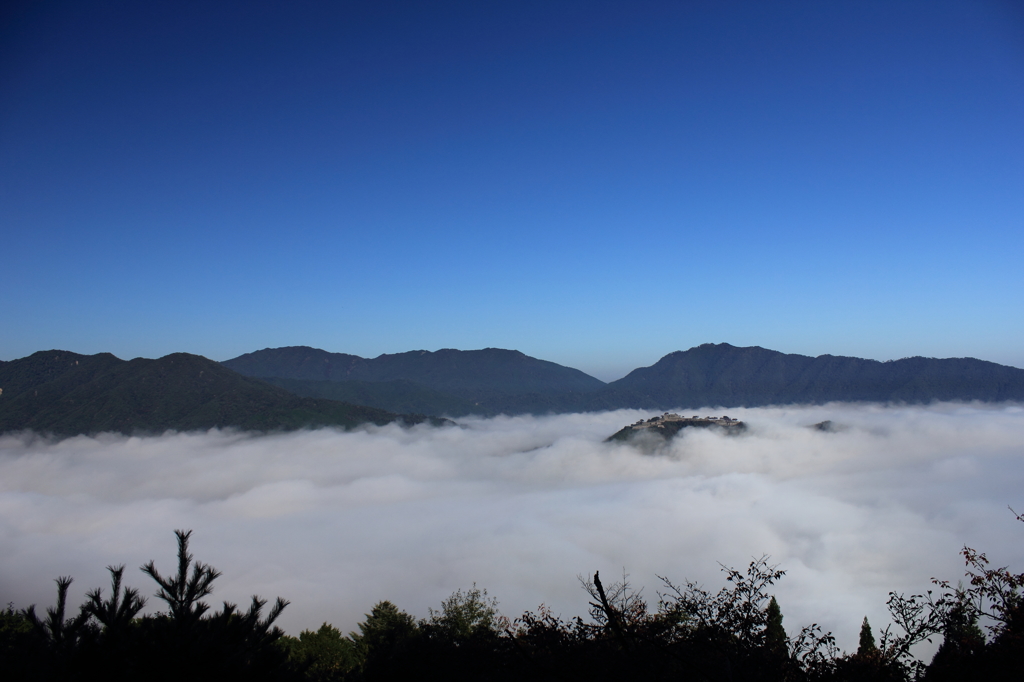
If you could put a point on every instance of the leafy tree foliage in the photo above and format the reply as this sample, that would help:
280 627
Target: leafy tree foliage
322 655
992 596
385 641
692 633
16 640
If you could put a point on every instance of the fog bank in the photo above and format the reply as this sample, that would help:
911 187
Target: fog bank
337 521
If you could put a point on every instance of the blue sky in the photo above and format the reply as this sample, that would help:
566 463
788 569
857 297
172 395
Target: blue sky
595 184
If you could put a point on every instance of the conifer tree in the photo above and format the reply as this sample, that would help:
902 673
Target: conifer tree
115 613
774 634
384 627
866 647
182 593
60 634
384 641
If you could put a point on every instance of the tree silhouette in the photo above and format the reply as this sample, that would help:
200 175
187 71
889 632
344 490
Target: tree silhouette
384 642
60 635
733 634
464 614
117 612
228 644
322 655
866 645
775 639
53 643
182 593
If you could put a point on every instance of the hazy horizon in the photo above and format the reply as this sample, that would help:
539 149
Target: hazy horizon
594 185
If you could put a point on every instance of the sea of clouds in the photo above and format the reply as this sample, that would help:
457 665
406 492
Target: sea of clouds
336 521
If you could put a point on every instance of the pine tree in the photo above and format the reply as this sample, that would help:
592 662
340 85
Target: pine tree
384 641
867 640
182 593
60 634
117 612
775 638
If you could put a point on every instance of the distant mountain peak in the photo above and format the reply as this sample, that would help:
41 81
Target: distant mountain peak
64 391
468 374
724 375
66 394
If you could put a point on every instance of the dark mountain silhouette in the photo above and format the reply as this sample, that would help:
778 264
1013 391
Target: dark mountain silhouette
64 393
494 381
725 375
296 362
491 369
453 382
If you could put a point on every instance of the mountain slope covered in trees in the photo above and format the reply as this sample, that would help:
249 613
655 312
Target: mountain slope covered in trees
489 369
494 381
721 374
65 393
452 382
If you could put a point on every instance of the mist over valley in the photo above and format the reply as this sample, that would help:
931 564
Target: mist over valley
389 303
494 381
337 520
65 393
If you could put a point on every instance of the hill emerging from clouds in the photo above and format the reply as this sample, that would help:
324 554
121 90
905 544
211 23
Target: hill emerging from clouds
65 394
729 376
494 381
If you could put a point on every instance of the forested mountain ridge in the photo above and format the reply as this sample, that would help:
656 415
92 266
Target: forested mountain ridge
295 362
65 393
721 374
489 369
488 382
483 382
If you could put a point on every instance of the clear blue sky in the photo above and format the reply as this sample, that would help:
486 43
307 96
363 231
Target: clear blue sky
595 184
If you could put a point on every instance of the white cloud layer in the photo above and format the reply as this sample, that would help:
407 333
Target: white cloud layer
337 521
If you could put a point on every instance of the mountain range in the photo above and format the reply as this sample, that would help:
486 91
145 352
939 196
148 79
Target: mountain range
494 381
452 382
65 393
